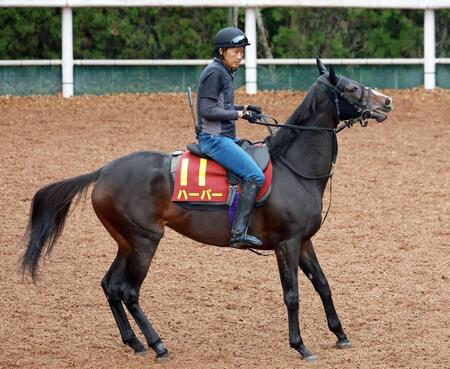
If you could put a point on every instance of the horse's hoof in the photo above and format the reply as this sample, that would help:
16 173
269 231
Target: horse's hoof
305 353
136 345
310 358
343 344
162 358
141 353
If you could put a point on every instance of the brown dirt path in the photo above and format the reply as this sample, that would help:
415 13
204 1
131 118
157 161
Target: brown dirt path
384 247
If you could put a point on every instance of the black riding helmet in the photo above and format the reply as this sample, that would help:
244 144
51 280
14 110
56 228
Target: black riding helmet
230 37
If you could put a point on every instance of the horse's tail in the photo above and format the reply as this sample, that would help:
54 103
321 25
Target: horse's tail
49 210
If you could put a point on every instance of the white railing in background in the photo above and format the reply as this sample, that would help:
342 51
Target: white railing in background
429 47
67 52
251 63
250 6
392 4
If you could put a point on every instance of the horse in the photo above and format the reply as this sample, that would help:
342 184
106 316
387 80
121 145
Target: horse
132 198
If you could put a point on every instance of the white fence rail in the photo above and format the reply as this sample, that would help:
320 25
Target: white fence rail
383 4
67 61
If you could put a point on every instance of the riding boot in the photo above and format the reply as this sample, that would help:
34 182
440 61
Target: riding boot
247 197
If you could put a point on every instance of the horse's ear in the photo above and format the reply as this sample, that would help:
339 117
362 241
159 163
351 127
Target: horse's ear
322 68
332 77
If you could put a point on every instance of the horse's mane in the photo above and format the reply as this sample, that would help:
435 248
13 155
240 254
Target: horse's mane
281 141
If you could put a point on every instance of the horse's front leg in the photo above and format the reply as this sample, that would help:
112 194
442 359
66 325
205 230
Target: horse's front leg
287 257
310 266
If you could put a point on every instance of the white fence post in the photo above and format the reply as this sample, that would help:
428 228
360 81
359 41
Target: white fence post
429 48
250 52
67 52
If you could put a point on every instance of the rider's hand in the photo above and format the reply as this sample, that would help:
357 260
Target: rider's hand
250 116
254 108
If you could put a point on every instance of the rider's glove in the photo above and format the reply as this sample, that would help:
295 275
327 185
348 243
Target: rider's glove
254 108
250 116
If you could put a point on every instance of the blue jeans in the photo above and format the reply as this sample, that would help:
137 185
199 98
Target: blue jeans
227 153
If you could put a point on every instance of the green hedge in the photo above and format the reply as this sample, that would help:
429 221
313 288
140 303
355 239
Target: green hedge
185 33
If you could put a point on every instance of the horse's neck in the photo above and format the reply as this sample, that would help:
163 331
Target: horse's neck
312 152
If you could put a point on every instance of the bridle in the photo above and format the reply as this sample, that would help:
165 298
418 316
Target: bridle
358 105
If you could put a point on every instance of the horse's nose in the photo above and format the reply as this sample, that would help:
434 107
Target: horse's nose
388 101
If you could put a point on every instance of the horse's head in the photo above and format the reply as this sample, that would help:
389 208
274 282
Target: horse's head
352 99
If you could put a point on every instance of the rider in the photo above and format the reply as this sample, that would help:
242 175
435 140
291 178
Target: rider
216 130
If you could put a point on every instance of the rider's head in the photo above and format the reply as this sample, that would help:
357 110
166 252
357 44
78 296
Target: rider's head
229 45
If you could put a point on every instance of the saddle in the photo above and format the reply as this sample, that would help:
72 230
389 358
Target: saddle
199 181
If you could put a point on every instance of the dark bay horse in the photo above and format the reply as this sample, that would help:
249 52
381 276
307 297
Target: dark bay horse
131 197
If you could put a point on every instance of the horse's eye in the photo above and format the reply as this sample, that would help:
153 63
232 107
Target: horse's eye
353 89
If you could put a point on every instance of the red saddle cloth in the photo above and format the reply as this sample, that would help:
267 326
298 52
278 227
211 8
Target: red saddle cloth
201 180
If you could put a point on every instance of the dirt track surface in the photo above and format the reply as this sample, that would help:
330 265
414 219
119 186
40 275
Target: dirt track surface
384 247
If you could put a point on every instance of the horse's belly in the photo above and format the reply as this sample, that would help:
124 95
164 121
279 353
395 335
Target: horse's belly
206 226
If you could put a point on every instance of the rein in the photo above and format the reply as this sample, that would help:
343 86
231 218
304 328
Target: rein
333 131
346 124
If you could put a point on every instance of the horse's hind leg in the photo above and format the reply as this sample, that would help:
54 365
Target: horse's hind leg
111 284
310 266
137 265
